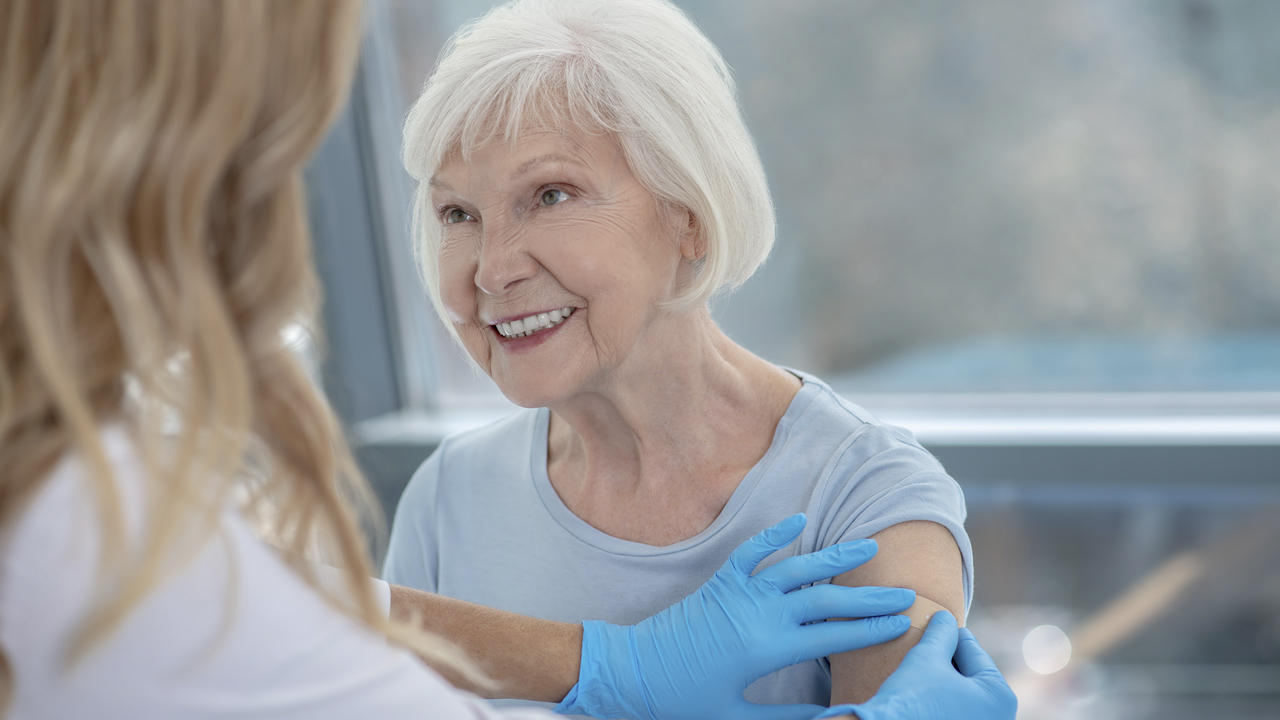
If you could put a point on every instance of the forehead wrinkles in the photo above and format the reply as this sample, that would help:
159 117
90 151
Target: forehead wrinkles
511 159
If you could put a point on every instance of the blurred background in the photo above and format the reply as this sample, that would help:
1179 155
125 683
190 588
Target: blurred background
1043 236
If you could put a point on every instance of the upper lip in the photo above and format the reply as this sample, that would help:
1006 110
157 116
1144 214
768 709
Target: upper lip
523 315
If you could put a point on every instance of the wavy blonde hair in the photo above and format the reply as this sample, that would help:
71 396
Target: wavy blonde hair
153 237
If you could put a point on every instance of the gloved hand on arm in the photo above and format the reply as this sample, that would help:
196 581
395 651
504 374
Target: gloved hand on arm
926 686
694 659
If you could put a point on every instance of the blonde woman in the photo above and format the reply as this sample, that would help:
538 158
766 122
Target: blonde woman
152 246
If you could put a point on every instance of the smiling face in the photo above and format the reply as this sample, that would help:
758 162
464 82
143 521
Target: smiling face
556 222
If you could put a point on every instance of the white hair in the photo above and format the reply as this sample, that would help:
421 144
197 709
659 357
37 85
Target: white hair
637 69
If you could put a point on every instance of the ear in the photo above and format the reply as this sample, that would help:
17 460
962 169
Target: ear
693 241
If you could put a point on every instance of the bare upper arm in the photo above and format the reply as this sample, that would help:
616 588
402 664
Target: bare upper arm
920 555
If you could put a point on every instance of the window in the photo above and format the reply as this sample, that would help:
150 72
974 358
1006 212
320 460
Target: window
996 197
1045 237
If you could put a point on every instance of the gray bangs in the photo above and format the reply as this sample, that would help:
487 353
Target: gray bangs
529 89
639 70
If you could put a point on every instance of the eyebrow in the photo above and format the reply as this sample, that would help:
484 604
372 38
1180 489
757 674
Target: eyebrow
525 167
529 165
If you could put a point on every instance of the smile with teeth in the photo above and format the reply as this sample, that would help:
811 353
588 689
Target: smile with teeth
525 327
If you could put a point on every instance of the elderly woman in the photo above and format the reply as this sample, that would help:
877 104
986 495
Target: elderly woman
152 247
586 184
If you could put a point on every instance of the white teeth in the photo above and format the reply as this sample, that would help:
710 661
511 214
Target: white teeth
533 323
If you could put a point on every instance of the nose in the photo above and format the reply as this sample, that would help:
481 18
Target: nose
503 263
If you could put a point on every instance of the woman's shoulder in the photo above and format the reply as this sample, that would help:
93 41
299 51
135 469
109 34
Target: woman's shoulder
842 456
469 475
873 475
497 441
229 615
821 415
484 436
62 501
497 449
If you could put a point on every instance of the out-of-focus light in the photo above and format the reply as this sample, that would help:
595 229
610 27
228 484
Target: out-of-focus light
295 337
1046 649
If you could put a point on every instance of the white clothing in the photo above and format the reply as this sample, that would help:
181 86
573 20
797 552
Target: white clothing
234 634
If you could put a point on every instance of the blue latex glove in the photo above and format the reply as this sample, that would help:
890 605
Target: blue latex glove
927 687
694 659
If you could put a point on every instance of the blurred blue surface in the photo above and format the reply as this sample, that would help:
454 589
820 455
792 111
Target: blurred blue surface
1222 362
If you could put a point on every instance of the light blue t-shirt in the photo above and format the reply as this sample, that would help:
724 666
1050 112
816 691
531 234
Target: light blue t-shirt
480 521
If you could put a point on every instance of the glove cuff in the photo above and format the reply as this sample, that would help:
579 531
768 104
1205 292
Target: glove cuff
608 683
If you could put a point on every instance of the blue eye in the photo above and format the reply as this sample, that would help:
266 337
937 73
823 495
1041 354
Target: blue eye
553 196
455 215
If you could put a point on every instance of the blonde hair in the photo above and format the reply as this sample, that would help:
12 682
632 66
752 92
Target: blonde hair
637 69
152 234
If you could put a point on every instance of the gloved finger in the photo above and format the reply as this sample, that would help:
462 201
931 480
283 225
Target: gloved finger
825 563
836 711
753 711
939 642
765 543
971 659
829 638
822 602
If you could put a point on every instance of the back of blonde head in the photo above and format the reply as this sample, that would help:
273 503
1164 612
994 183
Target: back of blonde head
153 236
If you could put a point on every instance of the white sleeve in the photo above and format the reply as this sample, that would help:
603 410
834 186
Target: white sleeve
334 581
233 634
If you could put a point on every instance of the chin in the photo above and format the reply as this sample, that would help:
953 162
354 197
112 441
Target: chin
528 394
534 384
526 401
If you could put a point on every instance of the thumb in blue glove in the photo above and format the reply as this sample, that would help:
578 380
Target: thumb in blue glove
694 659
927 687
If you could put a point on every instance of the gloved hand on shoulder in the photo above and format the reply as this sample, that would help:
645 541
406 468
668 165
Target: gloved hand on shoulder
694 659
926 686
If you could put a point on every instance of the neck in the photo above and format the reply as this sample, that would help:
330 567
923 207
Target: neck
683 418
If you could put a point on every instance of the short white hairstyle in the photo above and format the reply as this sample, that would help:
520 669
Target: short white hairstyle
639 70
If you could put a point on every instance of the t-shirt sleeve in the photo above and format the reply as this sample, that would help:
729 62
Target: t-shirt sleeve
413 550
879 478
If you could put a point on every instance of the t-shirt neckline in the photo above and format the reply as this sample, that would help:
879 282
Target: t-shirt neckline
585 533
